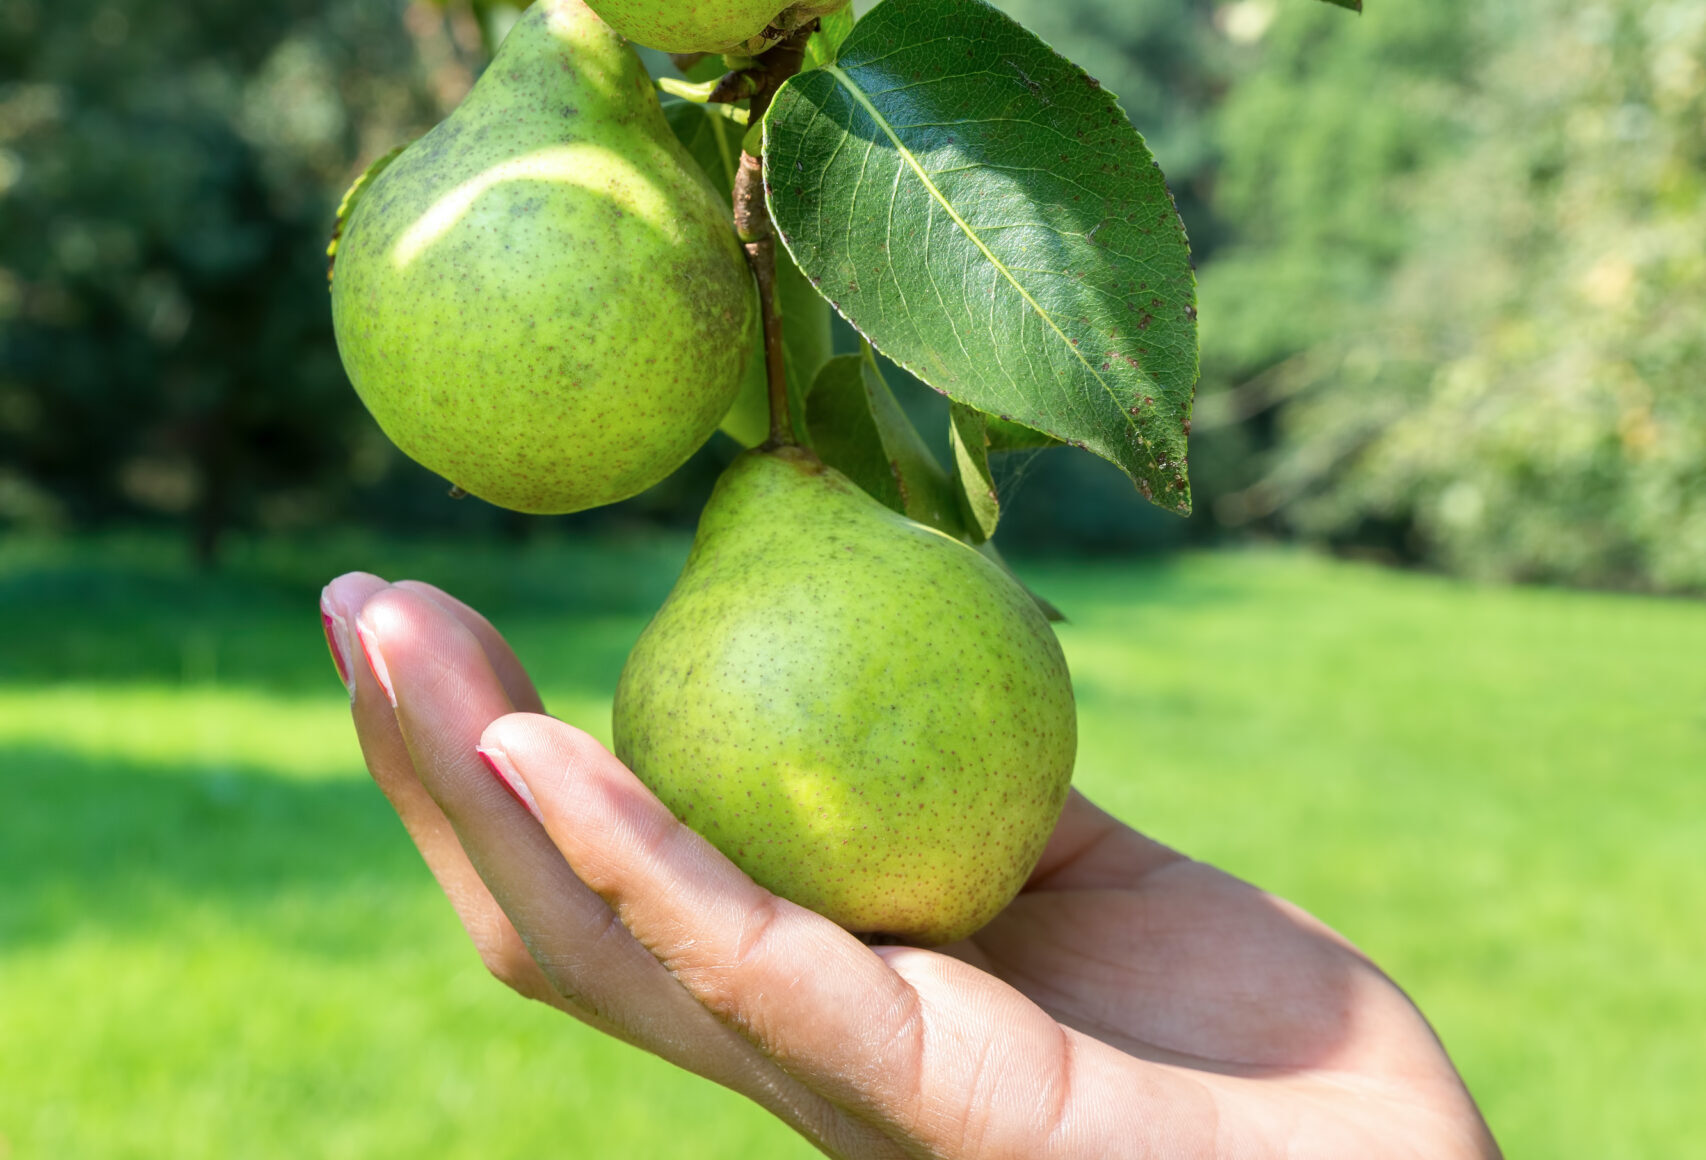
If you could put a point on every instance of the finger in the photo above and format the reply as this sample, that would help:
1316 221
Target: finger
339 602
392 767
1088 850
1006 1079
447 694
1091 849
950 1058
811 995
503 660
617 974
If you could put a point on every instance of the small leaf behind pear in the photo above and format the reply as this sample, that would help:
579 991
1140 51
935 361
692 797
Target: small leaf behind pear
859 428
969 436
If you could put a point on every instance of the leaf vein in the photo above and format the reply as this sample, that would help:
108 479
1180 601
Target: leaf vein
971 235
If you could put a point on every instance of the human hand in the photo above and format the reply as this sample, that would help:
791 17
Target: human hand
1129 1003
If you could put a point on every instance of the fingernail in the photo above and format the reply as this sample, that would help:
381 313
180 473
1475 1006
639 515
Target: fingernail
375 659
504 770
337 640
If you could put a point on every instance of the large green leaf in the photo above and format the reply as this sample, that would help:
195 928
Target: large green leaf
714 141
983 211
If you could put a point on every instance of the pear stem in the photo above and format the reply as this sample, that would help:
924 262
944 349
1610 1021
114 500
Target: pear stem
758 235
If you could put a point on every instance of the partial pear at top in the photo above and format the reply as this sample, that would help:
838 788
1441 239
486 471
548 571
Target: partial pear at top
543 300
729 26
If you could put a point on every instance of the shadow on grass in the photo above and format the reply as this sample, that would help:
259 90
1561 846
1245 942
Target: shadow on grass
125 846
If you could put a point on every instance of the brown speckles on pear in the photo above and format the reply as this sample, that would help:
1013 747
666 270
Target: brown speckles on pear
512 303
908 707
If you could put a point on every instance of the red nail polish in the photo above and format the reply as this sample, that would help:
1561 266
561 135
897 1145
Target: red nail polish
375 660
330 622
498 762
498 773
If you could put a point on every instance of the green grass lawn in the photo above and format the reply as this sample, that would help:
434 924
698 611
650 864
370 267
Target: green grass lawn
215 940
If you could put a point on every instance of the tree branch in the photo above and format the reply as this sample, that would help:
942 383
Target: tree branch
758 236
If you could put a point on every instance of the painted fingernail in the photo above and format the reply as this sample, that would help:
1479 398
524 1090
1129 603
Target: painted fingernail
337 640
504 770
375 659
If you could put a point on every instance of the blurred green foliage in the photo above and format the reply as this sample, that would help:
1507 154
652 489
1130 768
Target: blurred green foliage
167 175
1471 266
1453 298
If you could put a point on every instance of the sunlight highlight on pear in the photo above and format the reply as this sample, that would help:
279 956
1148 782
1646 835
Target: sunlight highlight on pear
543 300
737 26
592 169
867 716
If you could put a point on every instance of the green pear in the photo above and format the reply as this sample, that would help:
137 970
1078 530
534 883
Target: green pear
543 299
867 716
739 26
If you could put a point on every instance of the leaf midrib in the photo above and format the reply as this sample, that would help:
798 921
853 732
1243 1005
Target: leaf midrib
941 199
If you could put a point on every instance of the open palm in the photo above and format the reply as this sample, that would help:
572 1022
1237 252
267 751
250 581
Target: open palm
1129 1003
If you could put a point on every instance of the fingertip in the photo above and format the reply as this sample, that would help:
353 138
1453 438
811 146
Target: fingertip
504 662
545 749
374 654
384 611
399 622
437 597
430 591
522 730
340 600
350 591
405 634
497 760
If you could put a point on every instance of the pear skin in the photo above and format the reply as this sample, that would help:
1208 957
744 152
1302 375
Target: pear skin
737 26
543 300
867 716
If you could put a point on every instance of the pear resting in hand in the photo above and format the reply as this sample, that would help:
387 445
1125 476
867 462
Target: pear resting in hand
1128 1003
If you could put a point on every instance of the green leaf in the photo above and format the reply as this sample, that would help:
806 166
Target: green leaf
859 428
1353 5
968 432
714 142
806 347
708 67
711 139
984 212
753 142
1006 435
822 45
695 92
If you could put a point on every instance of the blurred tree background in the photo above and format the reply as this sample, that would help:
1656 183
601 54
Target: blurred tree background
1453 280
1453 300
